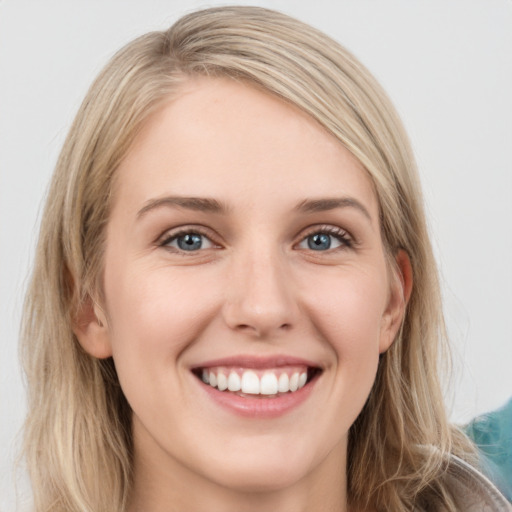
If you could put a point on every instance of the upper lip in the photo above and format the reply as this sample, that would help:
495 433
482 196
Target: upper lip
257 362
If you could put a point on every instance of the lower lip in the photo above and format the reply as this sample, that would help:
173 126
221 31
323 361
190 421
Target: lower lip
259 407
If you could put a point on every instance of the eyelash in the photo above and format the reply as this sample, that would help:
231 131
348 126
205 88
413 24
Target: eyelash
346 241
174 235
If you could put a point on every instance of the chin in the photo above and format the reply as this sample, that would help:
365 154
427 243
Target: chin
259 477
270 464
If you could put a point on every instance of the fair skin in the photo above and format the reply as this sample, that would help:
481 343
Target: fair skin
276 266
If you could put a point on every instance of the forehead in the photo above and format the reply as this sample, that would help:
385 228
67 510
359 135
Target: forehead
219 135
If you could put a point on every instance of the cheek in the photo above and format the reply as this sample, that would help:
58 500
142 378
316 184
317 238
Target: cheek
348 308
347 311
156 312
153 317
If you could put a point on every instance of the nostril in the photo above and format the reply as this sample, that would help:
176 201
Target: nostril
247 327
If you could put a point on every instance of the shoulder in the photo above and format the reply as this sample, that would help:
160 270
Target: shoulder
472 490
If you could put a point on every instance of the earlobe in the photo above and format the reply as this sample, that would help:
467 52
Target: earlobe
91 329
400 293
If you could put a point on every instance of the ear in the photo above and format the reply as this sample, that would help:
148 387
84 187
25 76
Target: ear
400 292
91 328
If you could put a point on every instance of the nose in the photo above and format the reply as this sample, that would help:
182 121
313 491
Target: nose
260 299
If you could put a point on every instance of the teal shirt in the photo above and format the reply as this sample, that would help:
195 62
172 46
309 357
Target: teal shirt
492 433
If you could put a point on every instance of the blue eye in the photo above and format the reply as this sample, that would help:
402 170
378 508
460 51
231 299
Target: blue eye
326 240
319 241
188 241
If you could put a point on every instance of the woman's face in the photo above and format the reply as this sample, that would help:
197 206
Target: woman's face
243 249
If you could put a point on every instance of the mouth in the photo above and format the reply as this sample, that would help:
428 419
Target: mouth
256 381
262 388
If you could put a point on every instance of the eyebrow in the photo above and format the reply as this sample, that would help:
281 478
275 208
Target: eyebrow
200 204
209 205
323 205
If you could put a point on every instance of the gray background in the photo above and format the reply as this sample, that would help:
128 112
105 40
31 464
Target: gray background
446 64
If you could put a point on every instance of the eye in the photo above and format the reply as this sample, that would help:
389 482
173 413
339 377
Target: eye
189 241
325 239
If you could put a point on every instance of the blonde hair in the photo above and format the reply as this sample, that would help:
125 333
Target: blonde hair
77 438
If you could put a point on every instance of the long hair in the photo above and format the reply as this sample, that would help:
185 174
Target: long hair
78 441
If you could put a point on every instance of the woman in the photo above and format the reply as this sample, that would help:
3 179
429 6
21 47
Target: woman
235 303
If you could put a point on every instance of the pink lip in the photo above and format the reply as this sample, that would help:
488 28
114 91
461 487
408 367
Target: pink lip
257 362
259 406
264 408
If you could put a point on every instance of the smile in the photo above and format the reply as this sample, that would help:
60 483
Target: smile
258 387
249 381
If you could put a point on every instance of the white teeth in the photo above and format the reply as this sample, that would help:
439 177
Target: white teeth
284 383
250 383
294 381
234 382
222 382
268 385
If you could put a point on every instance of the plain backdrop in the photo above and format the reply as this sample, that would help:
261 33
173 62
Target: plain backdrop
446 64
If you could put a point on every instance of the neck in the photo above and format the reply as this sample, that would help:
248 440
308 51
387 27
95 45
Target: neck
151 499
162 484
